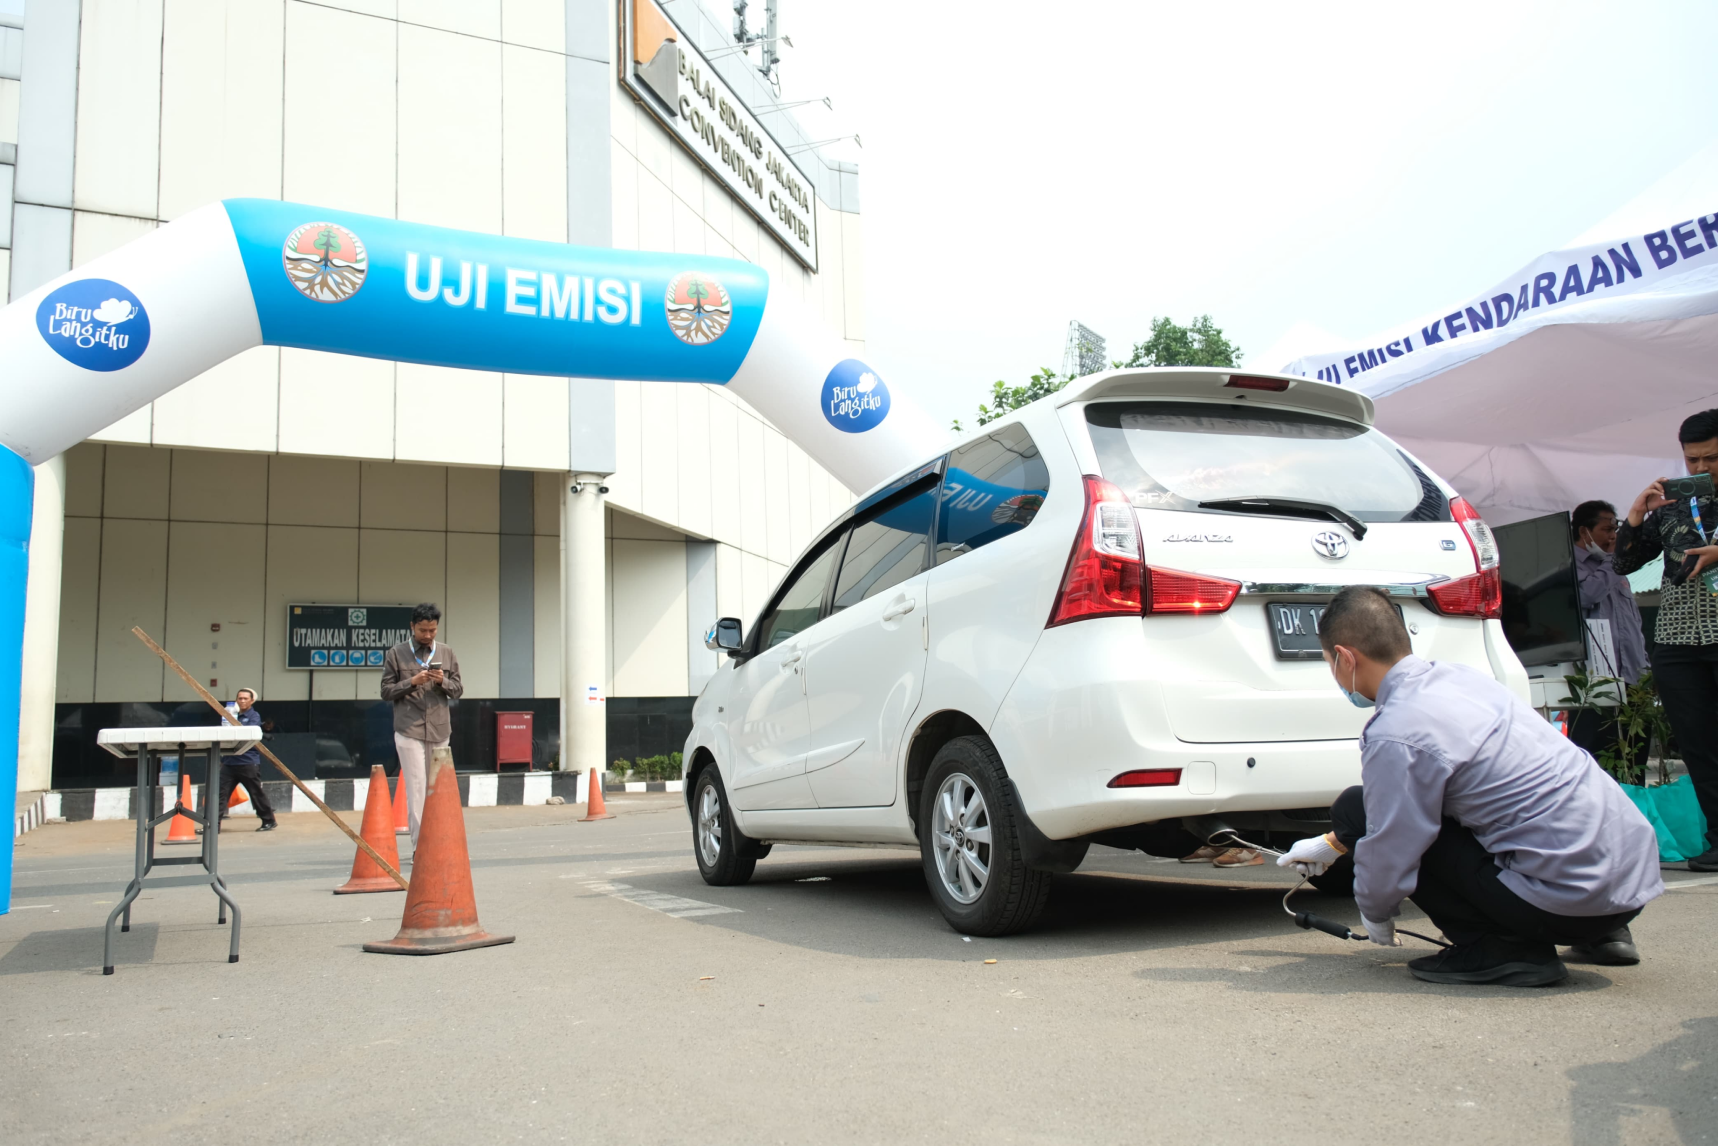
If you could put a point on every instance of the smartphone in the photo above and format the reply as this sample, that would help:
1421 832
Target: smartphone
434 666
1687 570
1694 485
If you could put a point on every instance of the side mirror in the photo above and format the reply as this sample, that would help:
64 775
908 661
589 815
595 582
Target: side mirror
723 636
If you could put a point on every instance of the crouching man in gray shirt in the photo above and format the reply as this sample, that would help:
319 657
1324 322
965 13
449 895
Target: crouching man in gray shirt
1509 837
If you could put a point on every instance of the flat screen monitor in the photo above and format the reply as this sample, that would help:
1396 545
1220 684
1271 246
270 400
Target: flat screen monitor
1541 596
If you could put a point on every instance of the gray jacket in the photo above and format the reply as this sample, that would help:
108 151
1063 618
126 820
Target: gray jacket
1606 595
1449 741
420 710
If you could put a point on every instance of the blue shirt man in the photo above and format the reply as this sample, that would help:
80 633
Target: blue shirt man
1509 837
244 768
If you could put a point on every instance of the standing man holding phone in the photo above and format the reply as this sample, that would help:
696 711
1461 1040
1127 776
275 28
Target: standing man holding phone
1678 517
419 678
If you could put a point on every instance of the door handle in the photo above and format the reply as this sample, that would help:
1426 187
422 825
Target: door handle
899 609
791 661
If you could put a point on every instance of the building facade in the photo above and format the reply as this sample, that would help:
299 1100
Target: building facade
294 477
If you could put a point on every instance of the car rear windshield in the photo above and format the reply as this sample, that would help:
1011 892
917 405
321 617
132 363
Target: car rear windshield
1175 455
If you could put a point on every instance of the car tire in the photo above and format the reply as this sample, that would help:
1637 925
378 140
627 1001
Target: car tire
969 843
725 857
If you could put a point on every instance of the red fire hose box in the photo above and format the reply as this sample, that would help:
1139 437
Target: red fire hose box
513 738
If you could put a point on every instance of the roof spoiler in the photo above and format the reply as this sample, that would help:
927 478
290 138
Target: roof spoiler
1210 384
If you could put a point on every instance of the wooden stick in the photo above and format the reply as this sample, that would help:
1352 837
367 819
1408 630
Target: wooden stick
272 758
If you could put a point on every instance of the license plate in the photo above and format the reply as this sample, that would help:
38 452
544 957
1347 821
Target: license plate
1295 628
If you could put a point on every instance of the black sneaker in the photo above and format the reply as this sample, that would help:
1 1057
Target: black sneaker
268 827
1494 960
1705 861
1614 950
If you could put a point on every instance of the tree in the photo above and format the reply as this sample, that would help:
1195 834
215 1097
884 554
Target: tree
1199 343
1005 398
327 242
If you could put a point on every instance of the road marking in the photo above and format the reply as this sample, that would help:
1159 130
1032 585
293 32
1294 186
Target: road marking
1673 885
674 905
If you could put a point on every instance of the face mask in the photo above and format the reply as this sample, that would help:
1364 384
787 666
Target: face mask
1355 697
1593 547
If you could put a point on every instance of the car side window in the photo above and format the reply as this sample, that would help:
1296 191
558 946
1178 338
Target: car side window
797 607
993 487
887 549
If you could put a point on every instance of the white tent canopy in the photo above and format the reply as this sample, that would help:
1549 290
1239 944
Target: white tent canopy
1567 380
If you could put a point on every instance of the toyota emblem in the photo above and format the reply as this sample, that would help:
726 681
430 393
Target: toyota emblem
1331 544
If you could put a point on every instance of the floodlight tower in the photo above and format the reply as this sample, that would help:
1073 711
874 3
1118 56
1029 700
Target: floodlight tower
767 39
1084 353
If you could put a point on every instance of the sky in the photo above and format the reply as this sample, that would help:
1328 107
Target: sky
1349 166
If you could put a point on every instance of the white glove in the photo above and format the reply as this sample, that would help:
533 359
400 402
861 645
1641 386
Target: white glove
1310 857
1383 934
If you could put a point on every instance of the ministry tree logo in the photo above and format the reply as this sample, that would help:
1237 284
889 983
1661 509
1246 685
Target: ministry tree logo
698 308
325 261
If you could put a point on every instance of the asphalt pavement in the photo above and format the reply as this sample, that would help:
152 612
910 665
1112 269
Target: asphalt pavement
825 1002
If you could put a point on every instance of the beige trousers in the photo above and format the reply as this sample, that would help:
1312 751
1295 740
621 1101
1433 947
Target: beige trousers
414 771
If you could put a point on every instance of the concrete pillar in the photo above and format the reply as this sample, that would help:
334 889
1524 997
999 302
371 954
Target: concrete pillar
584 631
42 629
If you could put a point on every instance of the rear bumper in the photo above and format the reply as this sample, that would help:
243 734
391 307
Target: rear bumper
1090 704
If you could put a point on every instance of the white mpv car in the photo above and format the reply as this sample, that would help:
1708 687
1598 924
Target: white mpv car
1094 621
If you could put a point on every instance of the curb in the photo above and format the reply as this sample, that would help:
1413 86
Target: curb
476 790
643 786
32 816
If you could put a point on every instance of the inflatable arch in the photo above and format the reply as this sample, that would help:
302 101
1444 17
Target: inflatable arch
118 332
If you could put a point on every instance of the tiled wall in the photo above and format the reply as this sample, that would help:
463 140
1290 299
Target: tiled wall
177 540
451 113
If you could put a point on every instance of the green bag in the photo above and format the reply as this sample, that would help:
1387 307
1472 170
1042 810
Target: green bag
1675 815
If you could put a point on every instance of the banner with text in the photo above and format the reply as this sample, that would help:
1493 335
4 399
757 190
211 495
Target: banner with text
344 636
1664 274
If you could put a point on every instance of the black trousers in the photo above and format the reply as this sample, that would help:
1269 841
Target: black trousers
232 775
1459 888
1687 677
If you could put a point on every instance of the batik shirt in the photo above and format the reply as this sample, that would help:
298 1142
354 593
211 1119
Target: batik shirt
1687 613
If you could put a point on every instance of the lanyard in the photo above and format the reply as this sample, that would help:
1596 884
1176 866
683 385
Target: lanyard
425 664
1694 508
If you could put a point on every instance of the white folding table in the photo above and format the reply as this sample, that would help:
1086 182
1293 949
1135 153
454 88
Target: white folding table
147 746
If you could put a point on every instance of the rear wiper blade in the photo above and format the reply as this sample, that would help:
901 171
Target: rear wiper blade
1291 507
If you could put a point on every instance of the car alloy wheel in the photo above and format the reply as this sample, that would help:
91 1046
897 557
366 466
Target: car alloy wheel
710 825
960 837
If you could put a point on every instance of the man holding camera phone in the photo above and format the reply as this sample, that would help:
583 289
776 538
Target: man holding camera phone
1678 517
419 678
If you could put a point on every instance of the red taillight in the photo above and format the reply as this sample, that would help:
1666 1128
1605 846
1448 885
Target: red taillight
1148 778
1479 537
1249 382
1479 595
1172 591
1105 572
1476 595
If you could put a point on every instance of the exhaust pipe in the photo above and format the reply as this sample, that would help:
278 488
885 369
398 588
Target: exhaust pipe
1211 831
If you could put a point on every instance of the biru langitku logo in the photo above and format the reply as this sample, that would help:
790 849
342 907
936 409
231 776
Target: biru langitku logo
325 261
94 323
699 309
854 398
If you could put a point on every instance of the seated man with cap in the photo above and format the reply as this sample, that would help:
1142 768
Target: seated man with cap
1510 838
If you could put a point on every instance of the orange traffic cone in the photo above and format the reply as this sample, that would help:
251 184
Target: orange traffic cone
595 809
183 830
402 825
441 909
367 874
239 796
